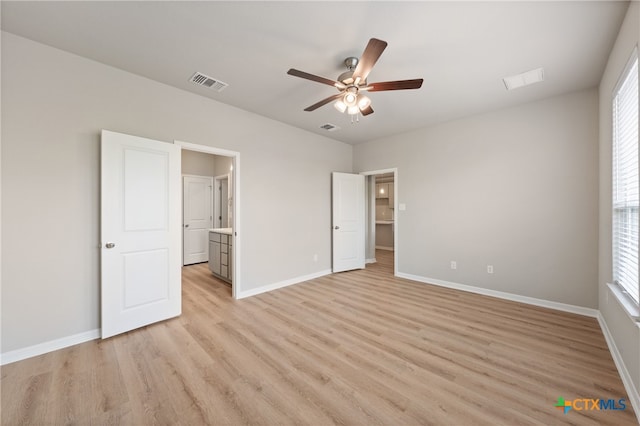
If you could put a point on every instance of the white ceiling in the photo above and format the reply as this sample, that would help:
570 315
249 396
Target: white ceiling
461 49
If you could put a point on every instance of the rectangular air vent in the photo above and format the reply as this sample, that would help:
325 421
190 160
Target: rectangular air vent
524 79
206 81
330 127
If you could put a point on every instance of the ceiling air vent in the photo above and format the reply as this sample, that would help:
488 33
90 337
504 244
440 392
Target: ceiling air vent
524 79
206 81
330 127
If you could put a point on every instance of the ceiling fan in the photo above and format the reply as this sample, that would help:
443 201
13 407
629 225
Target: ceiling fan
353 82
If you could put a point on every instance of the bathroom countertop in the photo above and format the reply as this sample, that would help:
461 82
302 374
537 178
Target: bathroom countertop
226 231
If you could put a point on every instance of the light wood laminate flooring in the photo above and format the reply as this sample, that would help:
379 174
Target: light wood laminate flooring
355 348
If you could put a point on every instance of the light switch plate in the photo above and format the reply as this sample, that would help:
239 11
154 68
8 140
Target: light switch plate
402 206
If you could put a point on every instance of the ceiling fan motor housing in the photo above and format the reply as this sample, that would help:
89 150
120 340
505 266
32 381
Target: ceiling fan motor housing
351 62
347 76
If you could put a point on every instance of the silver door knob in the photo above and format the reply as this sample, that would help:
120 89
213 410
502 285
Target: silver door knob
187 225
336 227
110 245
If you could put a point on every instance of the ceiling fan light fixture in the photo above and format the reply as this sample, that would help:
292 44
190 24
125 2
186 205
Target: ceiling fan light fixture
350 99
363 102
352 110
340 106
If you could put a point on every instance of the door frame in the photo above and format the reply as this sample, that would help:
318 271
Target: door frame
236 287
217 207
396 216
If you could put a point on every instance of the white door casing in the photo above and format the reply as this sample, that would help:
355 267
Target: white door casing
348 221
197 217
222 197
396 216
140 232
224 203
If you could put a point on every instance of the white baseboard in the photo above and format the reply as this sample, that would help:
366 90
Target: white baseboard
286 283
384 248
370 260
503 295
50 346
627 381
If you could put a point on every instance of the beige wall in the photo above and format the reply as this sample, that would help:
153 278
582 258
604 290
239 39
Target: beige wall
50 183
512 188
198 163
384 236
223 165
624 330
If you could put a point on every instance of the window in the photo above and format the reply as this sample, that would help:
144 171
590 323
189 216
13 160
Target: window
626 179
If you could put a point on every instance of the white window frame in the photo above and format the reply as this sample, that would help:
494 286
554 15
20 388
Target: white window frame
625 187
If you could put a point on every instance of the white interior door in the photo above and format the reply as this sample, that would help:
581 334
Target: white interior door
197 218
348 198
140 232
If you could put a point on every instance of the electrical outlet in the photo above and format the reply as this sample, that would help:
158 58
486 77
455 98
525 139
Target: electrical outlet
454 264
490 269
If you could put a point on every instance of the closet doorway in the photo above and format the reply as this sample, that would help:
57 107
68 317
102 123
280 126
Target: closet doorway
381 241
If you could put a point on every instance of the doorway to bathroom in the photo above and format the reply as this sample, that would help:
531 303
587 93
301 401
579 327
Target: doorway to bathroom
223 167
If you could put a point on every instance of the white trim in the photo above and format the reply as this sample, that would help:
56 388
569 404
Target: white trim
370 260
580 310
236 287
396 216
206 149
184 175
625 301
281 284
50 346
623 75
384 248
217 207
627 381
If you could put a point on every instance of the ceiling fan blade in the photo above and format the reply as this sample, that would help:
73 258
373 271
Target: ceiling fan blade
394 85
318 79
324 102
369 58
368 110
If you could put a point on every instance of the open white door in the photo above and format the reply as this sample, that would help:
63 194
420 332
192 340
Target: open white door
197 218
140 232
348 221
